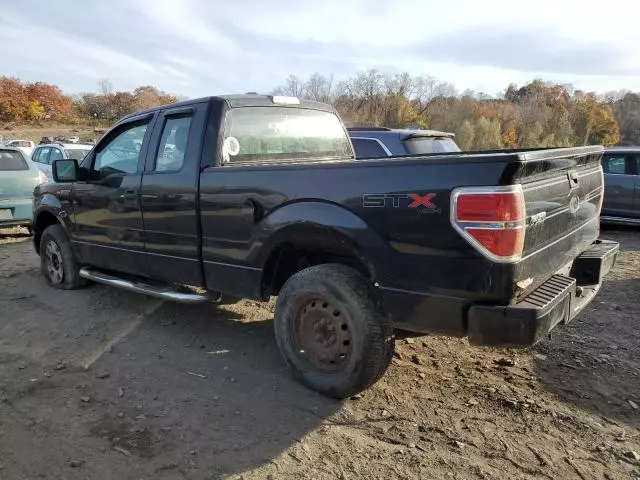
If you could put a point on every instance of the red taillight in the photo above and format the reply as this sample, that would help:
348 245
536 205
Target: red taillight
490 207
492 219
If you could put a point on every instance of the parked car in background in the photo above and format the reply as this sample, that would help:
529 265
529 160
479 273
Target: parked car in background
621 167
375 142
18 177
44 155
73 139
25 146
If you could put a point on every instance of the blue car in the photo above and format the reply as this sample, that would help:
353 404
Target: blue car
621 167
18 177
372 142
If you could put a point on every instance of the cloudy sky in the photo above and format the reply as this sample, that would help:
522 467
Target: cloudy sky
197 47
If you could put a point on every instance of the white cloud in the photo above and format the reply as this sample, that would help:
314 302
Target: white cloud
196 47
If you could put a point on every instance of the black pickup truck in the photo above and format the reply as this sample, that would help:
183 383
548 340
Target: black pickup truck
256 196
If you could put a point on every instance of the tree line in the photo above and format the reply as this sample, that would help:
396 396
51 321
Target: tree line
538 114
22 102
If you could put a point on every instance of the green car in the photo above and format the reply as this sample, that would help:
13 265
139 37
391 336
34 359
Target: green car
18 177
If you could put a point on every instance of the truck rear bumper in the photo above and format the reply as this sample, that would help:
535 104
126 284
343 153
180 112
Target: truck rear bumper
523 324
556 301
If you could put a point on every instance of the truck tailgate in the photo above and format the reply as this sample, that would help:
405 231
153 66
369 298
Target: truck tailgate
563 191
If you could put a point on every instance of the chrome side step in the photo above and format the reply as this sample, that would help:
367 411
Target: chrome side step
139 286
620 220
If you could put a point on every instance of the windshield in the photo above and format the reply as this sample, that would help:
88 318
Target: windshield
76 154
283 133
12 161
422 145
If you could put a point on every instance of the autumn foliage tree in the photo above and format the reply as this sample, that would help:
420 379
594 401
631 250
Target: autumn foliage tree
538 114
23 102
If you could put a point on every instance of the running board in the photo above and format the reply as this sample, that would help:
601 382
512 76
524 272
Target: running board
139 286
620 220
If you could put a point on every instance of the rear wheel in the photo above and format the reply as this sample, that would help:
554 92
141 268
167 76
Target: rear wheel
57 261
331 330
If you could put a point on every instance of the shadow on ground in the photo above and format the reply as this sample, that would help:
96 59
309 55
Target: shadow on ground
190 392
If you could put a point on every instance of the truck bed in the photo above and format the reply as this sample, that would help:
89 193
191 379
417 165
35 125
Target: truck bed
256 204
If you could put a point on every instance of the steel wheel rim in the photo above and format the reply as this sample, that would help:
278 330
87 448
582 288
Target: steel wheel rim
54 262
322 335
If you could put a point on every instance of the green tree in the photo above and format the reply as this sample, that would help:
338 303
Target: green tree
465 135
487 134
627 113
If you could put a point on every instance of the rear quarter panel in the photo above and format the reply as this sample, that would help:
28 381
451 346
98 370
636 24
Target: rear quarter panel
409 248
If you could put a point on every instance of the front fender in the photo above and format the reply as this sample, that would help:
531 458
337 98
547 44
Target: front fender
48 204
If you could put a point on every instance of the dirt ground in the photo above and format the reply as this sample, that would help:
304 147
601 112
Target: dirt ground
104 384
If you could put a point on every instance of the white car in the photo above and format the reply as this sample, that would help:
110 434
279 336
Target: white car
44 155
25 146
73 139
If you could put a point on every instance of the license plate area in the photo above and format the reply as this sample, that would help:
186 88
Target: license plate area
6 214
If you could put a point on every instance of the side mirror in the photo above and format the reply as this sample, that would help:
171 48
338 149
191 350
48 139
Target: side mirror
65 171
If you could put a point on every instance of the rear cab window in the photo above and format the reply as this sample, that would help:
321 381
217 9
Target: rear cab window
262 134
12 162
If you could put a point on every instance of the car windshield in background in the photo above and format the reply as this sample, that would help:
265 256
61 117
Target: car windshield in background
422 145
281 133
12 161
76 154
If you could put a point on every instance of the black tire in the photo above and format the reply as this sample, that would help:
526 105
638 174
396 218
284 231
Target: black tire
331 302
63 272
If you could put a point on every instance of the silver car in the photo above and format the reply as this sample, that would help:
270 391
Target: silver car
44 155
18 177
621 167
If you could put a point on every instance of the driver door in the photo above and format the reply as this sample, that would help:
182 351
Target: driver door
109 230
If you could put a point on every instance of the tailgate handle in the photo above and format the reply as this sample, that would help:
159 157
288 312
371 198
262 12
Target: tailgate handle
572 175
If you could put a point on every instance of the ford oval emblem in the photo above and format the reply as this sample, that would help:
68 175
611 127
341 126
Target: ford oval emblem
574 204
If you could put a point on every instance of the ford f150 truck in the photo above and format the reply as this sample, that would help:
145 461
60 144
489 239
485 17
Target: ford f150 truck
259 196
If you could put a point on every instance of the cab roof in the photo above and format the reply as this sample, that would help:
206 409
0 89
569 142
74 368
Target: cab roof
239 100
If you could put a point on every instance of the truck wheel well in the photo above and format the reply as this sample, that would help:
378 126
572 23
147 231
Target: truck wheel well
299 253
44 220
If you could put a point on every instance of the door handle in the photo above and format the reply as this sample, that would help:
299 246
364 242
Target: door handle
149 197
129 195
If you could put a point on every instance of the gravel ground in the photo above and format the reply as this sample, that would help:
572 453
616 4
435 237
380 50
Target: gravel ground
103 384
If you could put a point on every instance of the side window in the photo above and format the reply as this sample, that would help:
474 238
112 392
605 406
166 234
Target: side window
616 164
55 154
120 154
636 164
35 155
43 156
367 148
173 144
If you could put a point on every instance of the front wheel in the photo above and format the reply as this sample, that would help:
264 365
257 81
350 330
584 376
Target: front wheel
331 330
57 261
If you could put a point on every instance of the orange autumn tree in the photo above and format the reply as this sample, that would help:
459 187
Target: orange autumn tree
14 104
